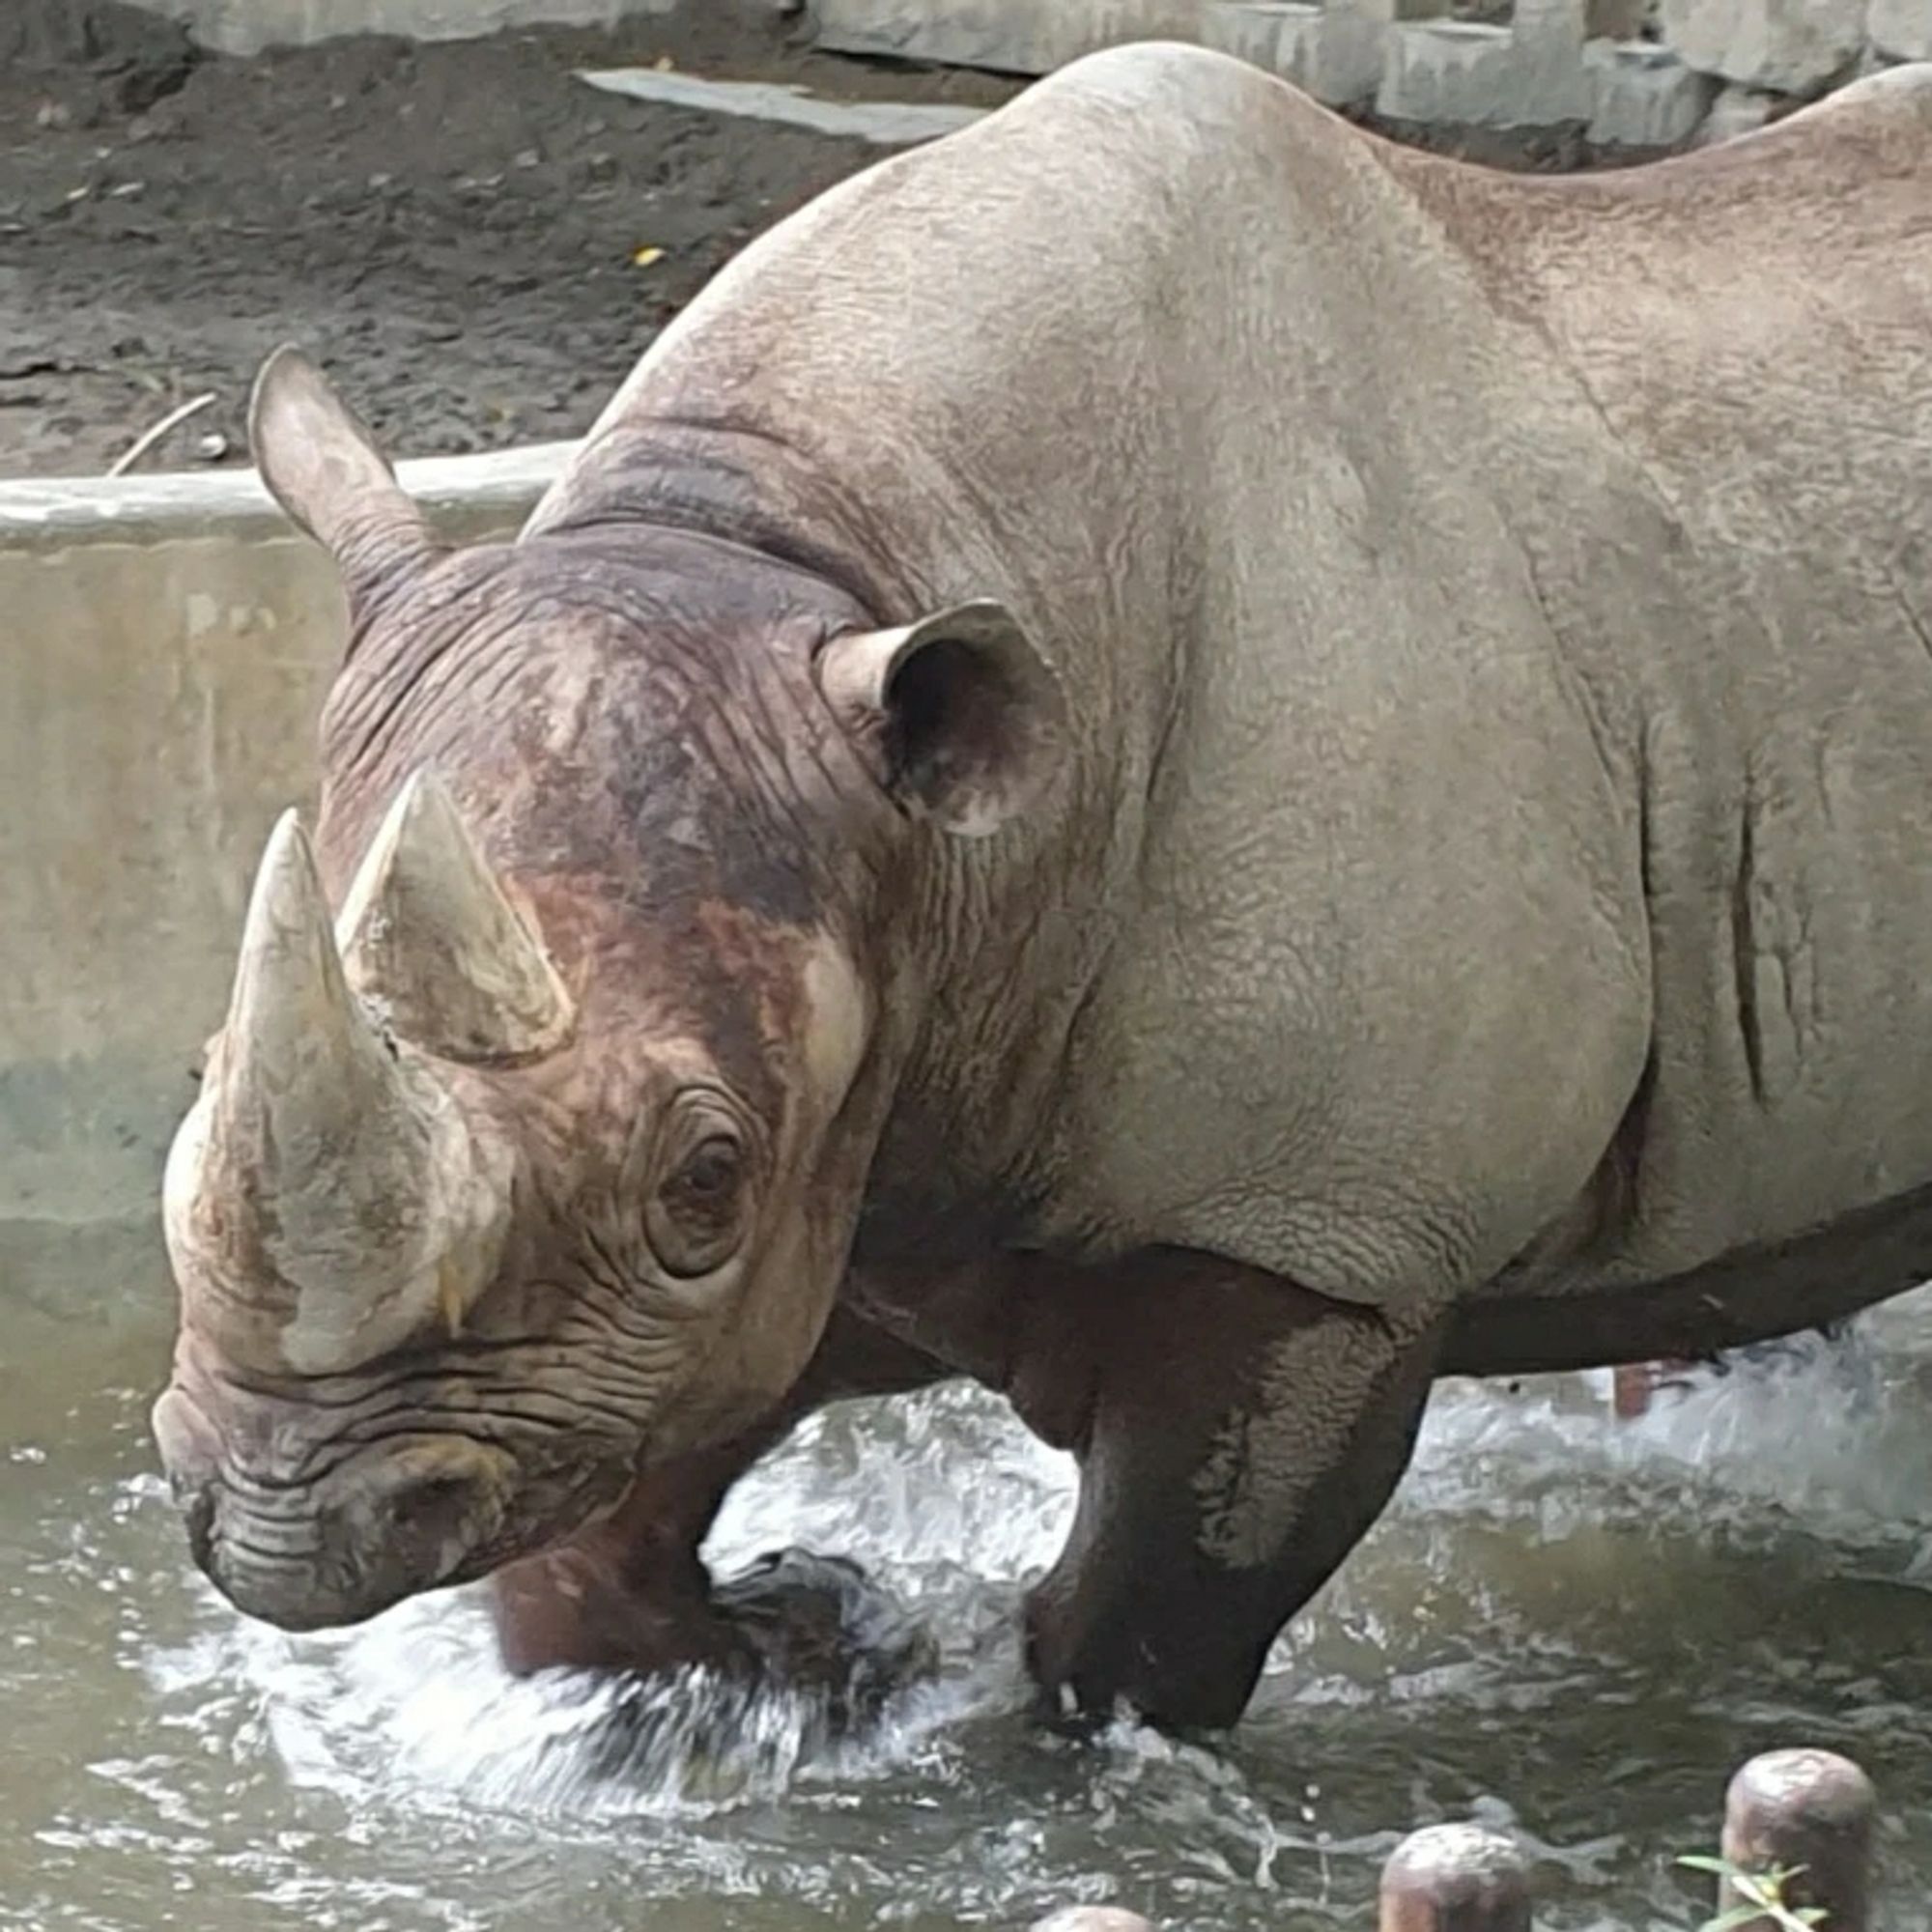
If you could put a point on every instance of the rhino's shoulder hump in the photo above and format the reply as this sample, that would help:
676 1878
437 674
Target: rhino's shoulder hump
1193 83
1891 93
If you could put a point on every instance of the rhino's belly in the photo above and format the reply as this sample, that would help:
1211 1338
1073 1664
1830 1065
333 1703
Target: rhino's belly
1716 1170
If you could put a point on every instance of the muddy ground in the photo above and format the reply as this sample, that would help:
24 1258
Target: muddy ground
452 228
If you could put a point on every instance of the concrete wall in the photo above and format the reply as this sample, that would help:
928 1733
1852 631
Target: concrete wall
247 26
164 646
1632 73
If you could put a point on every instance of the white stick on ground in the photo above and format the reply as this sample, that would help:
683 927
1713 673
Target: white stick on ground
149 438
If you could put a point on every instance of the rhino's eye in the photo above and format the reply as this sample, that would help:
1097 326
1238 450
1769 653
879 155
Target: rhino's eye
697 1217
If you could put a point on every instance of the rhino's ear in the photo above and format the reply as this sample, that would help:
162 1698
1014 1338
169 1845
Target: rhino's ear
958 715
323 468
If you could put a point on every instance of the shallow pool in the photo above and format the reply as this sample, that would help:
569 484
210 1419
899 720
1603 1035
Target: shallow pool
1566 1626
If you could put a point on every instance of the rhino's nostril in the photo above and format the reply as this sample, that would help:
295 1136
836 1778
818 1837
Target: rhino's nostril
440 1502
428 1507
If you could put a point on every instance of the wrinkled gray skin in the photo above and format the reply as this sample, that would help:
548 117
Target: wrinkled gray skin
1389 837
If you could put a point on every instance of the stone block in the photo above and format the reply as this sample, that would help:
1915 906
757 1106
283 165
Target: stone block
1551 84
1788 46
1025 37
1341 58
1901 29
1353 45
1266 32
1739 111
1642 96
1333 52
1474 74
1447 71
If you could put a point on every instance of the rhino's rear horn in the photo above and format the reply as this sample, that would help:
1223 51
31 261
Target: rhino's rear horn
326 1195
322 465
432 940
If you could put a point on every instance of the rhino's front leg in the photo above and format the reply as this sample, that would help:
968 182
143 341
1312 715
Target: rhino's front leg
1235 1435
633 1594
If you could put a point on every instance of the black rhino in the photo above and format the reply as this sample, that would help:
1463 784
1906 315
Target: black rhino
1163 755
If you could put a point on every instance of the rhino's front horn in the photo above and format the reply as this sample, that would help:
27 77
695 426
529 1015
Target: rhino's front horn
327 1199
431 939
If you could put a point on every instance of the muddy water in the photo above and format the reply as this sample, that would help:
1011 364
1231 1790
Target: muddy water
1568 1628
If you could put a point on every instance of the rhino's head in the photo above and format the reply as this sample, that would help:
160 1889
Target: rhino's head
531 1147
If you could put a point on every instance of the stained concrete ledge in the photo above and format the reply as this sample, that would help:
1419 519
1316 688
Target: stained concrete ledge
886 123
38 512
1023 37
165 643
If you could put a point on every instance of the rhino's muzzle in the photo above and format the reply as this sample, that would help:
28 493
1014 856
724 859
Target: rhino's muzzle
400 1517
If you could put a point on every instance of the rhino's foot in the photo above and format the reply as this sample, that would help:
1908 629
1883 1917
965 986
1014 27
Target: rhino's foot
818 1625
819 1654
792 1623
1213 1503
800 1653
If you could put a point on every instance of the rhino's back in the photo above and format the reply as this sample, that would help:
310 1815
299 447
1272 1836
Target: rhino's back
1754 324
1753 320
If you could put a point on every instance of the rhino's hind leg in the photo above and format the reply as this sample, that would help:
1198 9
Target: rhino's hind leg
1239 1436
632 1593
